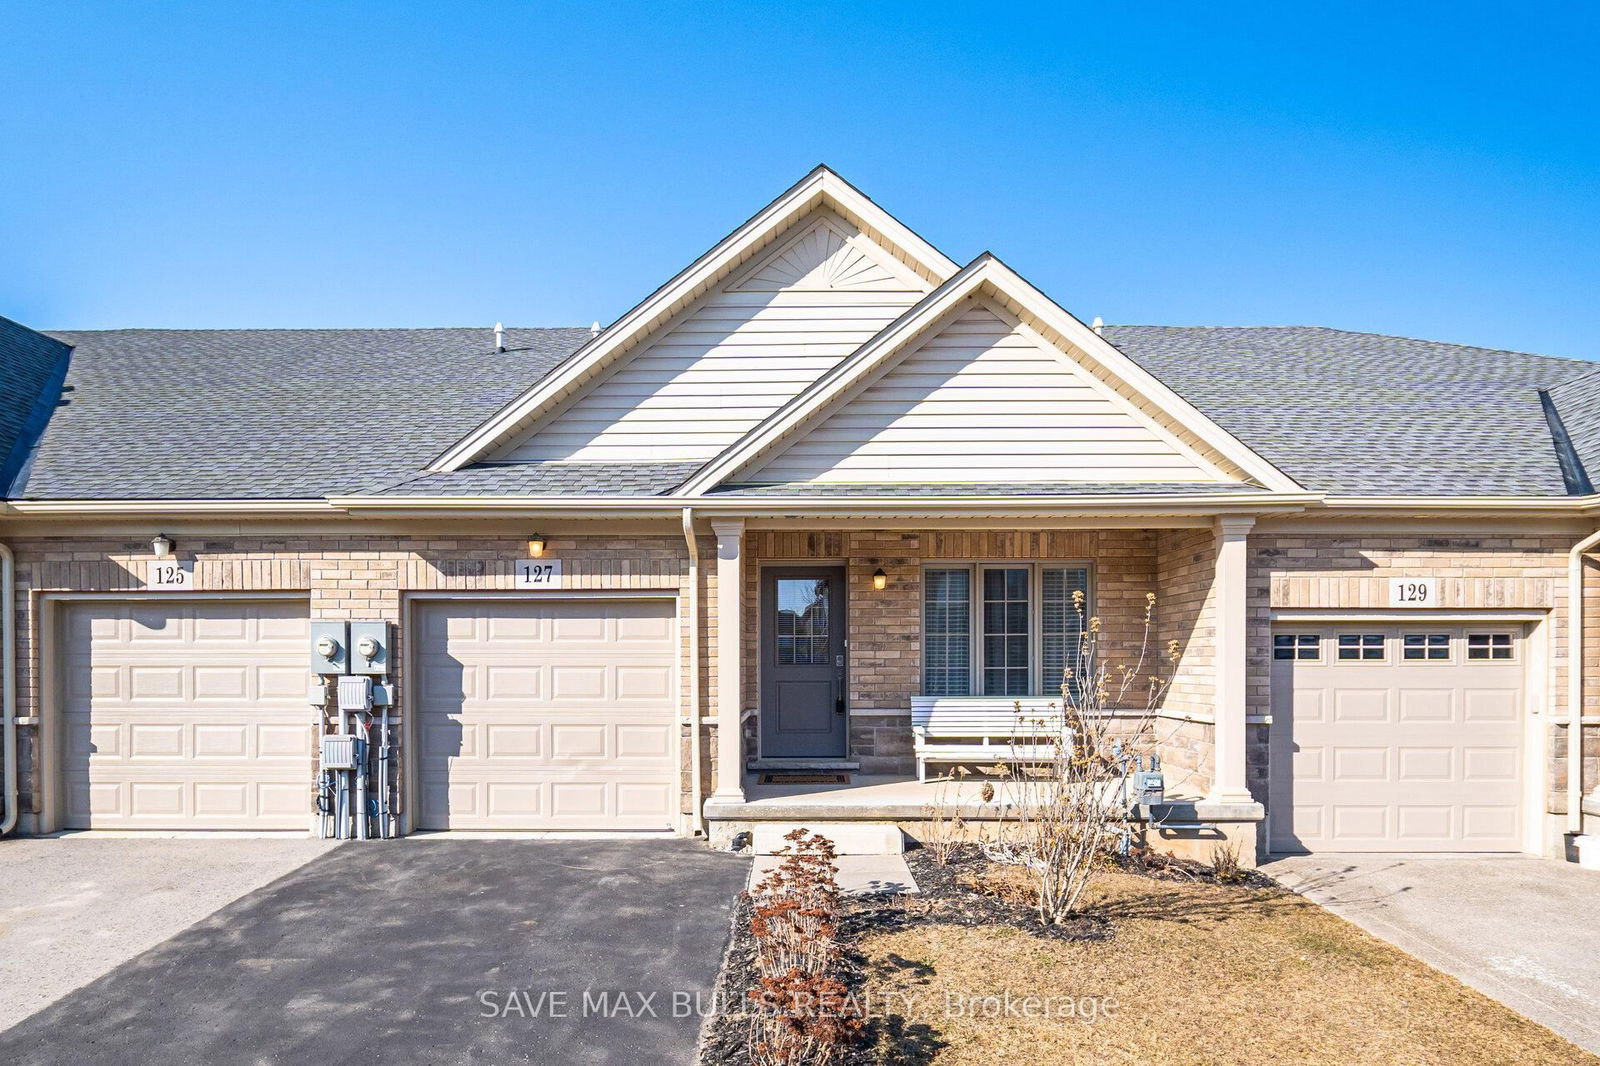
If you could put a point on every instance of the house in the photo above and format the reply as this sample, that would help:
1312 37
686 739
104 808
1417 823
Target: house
822 473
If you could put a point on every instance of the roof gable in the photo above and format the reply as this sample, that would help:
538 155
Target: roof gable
982 398
1176 437
821 189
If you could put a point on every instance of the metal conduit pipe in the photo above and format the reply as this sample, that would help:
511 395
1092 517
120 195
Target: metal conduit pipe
8 684
695 756
1575 680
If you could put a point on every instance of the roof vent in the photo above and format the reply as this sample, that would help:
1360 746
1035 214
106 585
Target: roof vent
1098 325
499 337
594 330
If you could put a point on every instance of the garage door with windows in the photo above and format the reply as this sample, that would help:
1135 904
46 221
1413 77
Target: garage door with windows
185 715
1396 738
547 714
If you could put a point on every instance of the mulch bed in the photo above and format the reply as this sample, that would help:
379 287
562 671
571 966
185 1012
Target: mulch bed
956 893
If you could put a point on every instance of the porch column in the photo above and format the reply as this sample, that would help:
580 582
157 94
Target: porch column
730 662
1228 735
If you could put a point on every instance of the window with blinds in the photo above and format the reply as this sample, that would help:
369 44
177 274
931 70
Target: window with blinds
1001 630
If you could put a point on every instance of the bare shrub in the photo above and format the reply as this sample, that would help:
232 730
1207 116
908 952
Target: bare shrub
804 1013
1066 808
943 827
1225 864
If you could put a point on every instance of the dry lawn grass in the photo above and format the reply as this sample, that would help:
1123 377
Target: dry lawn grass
1200 974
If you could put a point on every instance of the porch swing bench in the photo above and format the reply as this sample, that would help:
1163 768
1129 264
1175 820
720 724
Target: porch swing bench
1000 729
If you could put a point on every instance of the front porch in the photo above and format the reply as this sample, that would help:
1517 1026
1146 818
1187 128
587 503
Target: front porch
842 632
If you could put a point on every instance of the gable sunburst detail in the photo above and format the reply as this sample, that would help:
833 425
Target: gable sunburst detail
825 258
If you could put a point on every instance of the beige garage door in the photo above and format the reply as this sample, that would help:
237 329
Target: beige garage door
1396 738
547 714
186 715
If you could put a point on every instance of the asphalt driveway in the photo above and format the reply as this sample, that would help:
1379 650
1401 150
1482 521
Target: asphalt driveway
1519 929
422 951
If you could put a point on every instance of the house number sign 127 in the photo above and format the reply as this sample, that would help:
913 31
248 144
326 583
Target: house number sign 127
1413 592
538 574
170 575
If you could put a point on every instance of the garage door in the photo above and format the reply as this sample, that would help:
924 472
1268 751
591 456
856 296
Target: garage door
547 714
1388 738
186 715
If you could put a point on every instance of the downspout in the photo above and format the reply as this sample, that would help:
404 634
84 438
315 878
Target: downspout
1575 681
695 756
8 693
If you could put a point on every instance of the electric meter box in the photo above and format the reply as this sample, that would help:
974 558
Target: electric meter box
338 751
369 647
355 693
330 647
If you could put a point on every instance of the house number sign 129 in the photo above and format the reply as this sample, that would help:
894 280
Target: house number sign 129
538 574
1413 592
171 575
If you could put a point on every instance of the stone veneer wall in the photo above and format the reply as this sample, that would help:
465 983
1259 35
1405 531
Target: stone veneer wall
1186 612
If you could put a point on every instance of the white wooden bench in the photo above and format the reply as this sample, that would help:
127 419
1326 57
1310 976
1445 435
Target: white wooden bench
984 729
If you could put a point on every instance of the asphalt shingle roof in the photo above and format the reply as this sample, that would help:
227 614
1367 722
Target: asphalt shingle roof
545 479
31 365
285 414
303 414
1367 414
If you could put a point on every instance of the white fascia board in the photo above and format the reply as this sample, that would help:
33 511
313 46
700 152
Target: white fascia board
985 270
770 220
1446 504
864 506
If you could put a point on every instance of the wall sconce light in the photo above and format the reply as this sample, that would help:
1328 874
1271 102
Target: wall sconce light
536 545
162 545
880 580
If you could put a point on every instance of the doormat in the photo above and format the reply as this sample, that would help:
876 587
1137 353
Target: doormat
805 779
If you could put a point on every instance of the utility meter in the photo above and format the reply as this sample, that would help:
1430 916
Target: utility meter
370 641
329 648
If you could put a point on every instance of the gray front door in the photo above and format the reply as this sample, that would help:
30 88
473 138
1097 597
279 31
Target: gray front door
802 663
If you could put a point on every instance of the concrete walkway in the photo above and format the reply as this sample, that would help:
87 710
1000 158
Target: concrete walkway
1525 931
75 907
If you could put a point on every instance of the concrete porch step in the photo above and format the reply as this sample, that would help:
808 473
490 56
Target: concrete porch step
801 766
859 875
849 838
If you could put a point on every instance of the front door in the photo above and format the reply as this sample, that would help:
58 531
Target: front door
802 663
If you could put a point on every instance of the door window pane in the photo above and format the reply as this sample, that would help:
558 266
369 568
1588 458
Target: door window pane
947 633
1425 646
1005 632
802 623
1062 622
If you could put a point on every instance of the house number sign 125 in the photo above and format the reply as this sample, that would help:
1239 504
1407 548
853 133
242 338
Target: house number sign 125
538 574
171 575
1413 592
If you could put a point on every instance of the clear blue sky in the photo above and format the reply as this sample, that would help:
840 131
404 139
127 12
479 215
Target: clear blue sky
1428 170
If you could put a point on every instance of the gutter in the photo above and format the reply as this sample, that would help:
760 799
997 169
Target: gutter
694 666
1575 681
8 694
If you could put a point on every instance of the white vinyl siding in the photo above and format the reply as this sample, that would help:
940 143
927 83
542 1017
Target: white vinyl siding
736 356
981 400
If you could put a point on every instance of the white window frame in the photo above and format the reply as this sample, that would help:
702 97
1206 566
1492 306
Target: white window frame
975 568
1447 658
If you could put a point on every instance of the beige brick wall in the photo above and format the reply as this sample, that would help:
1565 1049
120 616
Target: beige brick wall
343 577
1289 570
347 576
